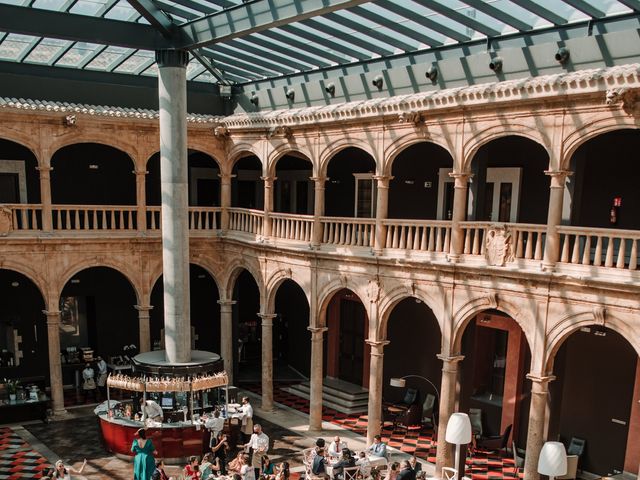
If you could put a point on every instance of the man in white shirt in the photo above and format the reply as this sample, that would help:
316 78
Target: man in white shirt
246 417
215 424
336 447
151 410
259 443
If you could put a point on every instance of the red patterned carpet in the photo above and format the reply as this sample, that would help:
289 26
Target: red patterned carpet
413 441
17 459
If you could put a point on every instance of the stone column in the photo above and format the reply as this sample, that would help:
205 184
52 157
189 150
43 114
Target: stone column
268 205
374 414
144 315
459 214
172 83
318 210
226 336
267 360
315 402
537 424
45 197
554 218
141 199
382 209
225 201
55 366
444 454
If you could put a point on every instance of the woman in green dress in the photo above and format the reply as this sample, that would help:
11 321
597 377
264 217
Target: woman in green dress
143 463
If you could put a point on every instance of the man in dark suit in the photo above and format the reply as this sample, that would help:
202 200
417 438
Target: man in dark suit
406 472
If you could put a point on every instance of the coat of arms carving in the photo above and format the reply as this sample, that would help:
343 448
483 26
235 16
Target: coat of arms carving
6 222
498 248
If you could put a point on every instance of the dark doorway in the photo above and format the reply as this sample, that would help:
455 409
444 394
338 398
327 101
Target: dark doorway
9 188
351 352
207 191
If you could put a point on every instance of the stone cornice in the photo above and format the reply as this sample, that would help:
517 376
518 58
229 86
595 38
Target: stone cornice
507 92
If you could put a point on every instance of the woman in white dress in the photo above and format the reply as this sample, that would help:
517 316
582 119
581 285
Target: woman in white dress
63 472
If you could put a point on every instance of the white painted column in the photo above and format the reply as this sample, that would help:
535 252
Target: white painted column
45 197
318 209
141 199
316 377
267 360
374 414
459 214
172 83
537 424
225 201
448 387
226 336
268 205
144 315
382 210
554 218
55 366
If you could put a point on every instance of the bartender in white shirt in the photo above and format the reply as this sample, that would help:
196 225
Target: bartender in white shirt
259 443
246 417
151 410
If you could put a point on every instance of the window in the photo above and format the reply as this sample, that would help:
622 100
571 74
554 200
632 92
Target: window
366 195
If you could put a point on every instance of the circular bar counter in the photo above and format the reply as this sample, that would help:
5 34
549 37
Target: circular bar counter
173 441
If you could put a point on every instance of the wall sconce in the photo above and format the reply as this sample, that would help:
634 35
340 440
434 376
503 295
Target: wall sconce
15 284
291 94
93 166
409 182
254 99
562 55
75 280
378 81
432 73
330 88
496 64
70 120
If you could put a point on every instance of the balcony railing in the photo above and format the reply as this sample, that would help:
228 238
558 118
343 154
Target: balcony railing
616 250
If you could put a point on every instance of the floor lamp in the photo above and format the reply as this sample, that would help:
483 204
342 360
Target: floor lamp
401 382
553 460
458 433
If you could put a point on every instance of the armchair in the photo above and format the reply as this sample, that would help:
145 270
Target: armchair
572 468
496 442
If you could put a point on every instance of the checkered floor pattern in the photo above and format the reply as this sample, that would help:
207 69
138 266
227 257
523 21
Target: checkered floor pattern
17 459
414 441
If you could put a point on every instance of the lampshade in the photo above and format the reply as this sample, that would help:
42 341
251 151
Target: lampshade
458 429
397 382
553 459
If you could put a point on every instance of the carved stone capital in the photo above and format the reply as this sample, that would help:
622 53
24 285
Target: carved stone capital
281 131
540 379
143 308
558 177
628 98
450 358
461 179
414 118
221 132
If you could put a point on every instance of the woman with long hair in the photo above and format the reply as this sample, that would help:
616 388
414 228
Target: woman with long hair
143 463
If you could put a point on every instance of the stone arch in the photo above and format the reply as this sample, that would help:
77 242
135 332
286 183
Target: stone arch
285 149
231 274
588 132
471 308
574 322
400 144
191 147
23 139
33 276
67 141
332 149
326 293
239 151
87 263
397 295
276 280
483 137
157 273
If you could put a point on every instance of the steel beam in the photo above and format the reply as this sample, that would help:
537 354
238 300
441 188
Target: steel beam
499 15
154 16
540 11
255 16
461 18
586 7
323 41
80 28
356 40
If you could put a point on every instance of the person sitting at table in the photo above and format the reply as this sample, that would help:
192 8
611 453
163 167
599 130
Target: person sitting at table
319 464
151 410
159 473
364 464
320 443
267 466
192 470
377 448
417 466
392 471
235 465
406 472
336 447
209 467
345 461
247 472
282 471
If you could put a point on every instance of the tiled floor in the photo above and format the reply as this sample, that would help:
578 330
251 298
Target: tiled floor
414 441
17 458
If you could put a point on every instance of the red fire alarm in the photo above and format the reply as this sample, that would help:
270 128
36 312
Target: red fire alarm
617 201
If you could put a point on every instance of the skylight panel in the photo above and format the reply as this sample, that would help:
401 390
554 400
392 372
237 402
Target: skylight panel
152 71
55 5
13 46
133 63
122 11
87 7
106 58
77 54
46 50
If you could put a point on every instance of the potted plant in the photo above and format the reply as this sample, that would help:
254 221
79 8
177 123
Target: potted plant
12 388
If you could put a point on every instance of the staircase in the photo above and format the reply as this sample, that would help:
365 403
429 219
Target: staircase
337 394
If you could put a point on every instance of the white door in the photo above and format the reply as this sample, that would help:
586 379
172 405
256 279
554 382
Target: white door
502 194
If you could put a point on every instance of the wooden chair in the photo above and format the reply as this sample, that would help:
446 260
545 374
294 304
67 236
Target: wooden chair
307 455
350 473
449 473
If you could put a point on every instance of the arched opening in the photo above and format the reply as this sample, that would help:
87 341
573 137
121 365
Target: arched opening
293 191
414 343
19 179
24 348
86 174
291 338
247 190
493 386
347 357
204 182
351 190
594 401
502 170
421 187
97 311
204 311
605 169
247 329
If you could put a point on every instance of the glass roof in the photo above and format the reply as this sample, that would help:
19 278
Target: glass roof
359 32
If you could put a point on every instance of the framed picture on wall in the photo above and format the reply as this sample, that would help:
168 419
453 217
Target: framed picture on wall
70 316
